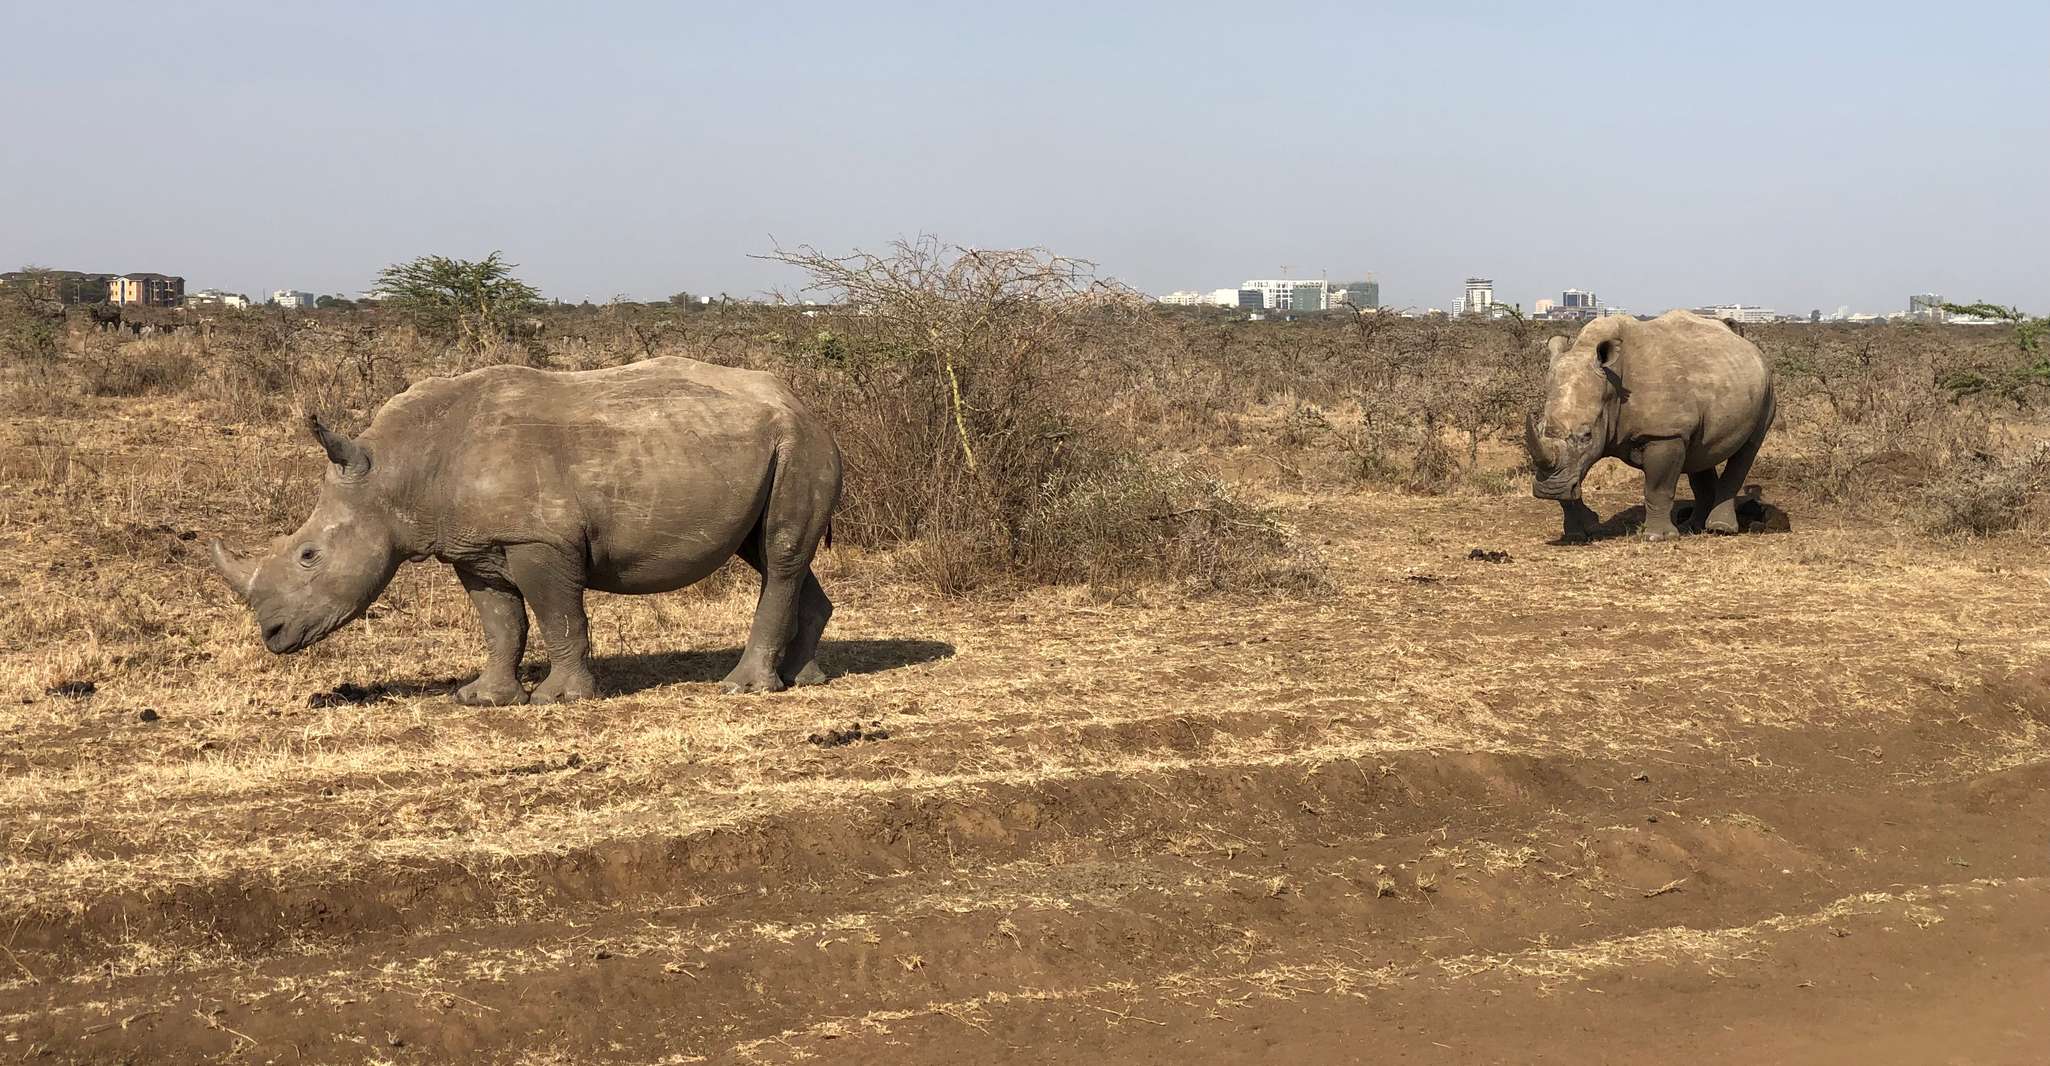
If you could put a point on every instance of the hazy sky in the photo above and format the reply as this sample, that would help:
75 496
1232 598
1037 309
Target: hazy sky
1797 155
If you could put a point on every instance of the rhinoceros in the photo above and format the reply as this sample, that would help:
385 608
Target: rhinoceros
537 485
1678 394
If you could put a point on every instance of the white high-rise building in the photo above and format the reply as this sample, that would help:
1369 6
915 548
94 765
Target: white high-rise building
1477 298
1739 313
1282 294
1213 298
293 299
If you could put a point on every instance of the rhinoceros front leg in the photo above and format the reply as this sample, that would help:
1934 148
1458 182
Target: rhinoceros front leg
503 615
553 582
1581 522
1662 462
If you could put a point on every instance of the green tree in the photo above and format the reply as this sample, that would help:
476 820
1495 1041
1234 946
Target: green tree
475 301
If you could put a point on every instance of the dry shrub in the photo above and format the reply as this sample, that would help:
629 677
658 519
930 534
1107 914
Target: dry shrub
1985 494
1090 526
953 378
1864 415
152 366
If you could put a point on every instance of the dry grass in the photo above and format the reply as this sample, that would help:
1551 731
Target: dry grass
1144 754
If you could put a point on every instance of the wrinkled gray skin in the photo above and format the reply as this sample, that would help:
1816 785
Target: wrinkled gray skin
1676 395
536 486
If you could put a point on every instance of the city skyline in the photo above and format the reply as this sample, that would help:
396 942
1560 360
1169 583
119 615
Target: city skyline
1783 157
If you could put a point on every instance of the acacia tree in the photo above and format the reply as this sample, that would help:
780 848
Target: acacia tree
31 315
2017 381
474 300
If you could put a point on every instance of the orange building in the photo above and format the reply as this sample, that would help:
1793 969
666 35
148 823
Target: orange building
150 290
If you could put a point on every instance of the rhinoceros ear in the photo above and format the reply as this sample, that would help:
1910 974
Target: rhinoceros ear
1557 346
1605 352
351 460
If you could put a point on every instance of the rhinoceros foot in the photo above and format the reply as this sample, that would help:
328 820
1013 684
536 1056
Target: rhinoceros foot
564 686
1724 519
810 675
491 693
749 676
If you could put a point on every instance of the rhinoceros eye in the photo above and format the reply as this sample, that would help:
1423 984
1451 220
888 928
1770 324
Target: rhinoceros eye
308 555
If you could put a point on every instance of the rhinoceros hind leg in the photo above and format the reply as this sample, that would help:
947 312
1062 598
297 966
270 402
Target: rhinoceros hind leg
503 614
1703 482
1662 462
1724 518
801 659
553 582
793 609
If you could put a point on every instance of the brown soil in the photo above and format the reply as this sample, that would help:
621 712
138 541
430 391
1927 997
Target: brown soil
1758 799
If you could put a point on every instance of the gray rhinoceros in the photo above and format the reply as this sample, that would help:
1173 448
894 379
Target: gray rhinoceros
536 486
1678 394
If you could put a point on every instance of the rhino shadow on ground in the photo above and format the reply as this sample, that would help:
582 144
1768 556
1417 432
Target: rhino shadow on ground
1754 515
622 675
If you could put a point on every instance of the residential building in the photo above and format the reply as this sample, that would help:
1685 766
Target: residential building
1540 308
1362 295
217 298
64 286
293 299
1926 305
1184 299
146 289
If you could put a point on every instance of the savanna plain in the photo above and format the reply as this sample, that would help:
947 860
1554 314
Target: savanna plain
1203 691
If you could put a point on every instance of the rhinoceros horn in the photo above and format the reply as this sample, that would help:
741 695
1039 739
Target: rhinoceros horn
238 570
347 455
1530 439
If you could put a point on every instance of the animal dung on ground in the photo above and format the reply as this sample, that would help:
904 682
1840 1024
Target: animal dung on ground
148 714
1489 555
834 738
344 693
71 690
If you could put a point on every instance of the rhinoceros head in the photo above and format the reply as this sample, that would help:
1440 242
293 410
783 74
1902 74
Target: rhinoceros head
328 571
1582 393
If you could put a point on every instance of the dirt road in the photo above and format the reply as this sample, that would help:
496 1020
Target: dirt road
1759 799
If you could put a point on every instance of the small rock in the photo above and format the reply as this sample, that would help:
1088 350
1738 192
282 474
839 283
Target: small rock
1640 776
149 714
